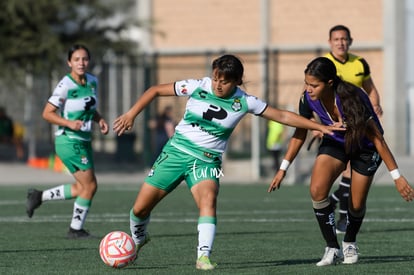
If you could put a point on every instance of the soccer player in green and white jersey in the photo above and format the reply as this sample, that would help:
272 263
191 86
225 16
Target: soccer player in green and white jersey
194 153
76 98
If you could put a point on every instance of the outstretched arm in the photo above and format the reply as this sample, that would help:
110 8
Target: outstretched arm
295 120
126 121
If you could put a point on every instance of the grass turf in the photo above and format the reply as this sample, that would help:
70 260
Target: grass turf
257 233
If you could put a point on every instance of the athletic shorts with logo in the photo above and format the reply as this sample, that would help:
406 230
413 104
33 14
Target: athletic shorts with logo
77 155
173 166
366 161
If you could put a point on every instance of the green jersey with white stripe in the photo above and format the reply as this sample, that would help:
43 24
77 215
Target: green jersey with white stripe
209 120
76 102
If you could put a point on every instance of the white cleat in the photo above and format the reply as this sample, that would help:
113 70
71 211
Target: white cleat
350 251
331 257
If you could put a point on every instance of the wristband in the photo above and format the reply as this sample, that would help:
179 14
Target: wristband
284 165
395 174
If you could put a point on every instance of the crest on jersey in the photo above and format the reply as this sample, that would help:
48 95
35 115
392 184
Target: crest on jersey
236 106
183 89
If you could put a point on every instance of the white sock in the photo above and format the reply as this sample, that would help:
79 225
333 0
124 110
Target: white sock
55 193
79 216
206 233
138 227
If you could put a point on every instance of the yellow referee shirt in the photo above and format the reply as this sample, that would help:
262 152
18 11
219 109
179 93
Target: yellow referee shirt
354 70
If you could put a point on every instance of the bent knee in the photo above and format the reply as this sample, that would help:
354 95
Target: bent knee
140 213
357 211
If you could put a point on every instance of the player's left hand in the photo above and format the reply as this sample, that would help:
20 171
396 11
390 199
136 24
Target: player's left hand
406 191
103 126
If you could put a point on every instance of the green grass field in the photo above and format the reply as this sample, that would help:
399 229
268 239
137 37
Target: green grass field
257 233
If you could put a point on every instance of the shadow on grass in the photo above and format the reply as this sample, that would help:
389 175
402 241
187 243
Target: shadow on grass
47 250
362 261
408 229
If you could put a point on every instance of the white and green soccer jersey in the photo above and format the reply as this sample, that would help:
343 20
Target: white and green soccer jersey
76 102
209 120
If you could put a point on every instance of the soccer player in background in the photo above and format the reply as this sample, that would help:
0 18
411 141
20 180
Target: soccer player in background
194 153
75 97
362 144
353 69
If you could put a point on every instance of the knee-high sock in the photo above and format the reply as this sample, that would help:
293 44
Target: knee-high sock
343 194
138 227
354 224
61 192
326 219
206 232
80 211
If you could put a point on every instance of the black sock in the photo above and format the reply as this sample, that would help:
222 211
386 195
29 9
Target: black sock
342 193
352 229
326 220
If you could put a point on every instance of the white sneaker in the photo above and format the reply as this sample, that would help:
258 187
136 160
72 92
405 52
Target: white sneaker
350 251
331 257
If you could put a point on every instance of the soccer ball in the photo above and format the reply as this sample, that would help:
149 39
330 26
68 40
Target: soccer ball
117 249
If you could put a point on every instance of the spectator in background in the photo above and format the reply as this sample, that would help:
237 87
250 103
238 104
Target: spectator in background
274 141
6 127
164 128
11 133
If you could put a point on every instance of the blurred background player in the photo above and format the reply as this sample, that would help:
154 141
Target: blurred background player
76 98
353 69
274 141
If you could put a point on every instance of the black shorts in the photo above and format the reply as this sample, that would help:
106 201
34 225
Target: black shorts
366 161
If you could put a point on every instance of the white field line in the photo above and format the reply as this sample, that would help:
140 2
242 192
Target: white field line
224 217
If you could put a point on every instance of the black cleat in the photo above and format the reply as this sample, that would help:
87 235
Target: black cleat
78 234
34 200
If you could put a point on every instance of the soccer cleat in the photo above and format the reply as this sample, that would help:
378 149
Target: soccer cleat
34 200
331 257
350 251
203 263
146 240
341 226
78 234
140 245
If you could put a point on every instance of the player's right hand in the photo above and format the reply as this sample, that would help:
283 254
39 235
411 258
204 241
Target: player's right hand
122 123
277 180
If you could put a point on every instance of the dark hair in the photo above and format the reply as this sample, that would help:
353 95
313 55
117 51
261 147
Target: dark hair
230 67
354 109
340 28
76 47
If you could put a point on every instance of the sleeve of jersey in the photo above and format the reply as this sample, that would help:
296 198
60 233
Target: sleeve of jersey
255 105
188 86
59 95
93 80
304 108
367 71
